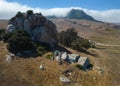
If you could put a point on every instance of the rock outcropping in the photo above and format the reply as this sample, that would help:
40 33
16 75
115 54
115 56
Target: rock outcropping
39 28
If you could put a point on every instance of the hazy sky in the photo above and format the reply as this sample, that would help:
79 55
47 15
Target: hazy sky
103 10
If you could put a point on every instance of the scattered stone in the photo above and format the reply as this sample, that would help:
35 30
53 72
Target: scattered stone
12 55
84 62
73 58
64 79
10 28
42 67
56 53
52 58
70 74
58 58
8 58
64 56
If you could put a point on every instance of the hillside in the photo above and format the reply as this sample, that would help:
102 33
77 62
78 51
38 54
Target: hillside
3 23
85 28
26 71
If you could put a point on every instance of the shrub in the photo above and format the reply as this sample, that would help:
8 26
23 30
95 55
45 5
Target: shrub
20 41
66 37
2 32
42 48
70 38
80 43
19 14
39 53
79 66
49 56
7 36
29 12
12 19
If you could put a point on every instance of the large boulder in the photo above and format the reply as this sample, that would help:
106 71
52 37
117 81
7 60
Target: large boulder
39 28
10 28
27 26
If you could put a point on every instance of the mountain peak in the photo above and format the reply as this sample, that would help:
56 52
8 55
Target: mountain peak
79 14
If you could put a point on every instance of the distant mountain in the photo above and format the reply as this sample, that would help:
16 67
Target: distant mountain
75 14
50 17
79 14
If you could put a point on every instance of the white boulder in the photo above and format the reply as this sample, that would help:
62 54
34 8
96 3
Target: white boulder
41 67
64 79
8 58
10 28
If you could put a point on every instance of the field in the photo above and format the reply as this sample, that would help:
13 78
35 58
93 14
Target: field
112 55
26 72
3 23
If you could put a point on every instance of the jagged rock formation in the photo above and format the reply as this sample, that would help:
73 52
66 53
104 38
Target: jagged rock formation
39 28
79 14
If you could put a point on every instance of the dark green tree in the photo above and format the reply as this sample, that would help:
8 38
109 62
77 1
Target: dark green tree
7 36
80 44
2 32
66 37
29 12
71 39
19 14
20 41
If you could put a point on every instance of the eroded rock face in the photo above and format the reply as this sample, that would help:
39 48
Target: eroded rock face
39 28
10 28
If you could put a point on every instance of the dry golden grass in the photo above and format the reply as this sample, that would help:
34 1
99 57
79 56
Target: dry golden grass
26 72
3 23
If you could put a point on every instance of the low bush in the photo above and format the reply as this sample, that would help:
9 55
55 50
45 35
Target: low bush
71 39
49 56
7 36
79 66
20 41
42 48
2 32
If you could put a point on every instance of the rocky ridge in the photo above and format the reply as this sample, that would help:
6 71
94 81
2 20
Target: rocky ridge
39 28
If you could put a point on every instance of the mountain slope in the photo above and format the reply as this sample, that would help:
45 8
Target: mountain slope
26 72
85 28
